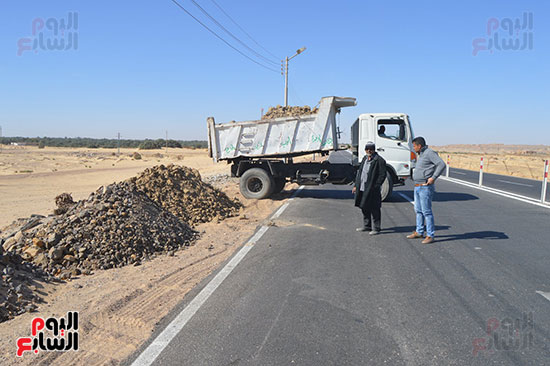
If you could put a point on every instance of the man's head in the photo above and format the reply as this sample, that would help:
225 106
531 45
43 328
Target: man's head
382 130
369 148
418 144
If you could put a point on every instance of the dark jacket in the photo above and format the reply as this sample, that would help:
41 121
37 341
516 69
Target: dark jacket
377 174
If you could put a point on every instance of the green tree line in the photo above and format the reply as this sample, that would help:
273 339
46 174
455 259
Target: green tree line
92 143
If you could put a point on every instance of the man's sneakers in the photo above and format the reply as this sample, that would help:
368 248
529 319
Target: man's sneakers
371 232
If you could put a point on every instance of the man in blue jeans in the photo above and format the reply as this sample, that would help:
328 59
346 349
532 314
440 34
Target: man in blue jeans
429 167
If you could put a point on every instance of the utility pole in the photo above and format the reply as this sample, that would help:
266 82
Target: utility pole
286 72
118 144
1 139
286 82
167 142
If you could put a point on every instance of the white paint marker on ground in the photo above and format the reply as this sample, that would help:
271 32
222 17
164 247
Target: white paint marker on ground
546 295
517 184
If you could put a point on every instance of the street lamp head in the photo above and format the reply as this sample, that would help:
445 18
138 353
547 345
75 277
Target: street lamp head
300 50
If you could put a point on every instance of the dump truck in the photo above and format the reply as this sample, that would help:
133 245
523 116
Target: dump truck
262 152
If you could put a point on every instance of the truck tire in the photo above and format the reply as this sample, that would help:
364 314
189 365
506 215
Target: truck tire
256 183
279 184
387 187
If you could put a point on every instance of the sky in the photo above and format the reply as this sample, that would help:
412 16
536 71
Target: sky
142 68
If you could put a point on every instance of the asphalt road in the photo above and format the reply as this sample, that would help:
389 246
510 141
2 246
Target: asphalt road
526 187
313 291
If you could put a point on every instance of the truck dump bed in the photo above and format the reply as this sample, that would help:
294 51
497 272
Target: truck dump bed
279 137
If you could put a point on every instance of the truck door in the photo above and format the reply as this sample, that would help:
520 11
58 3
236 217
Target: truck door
392 140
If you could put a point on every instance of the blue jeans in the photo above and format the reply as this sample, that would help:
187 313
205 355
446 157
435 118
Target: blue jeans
423 206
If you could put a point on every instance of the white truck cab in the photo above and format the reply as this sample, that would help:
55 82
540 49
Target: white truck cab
392 133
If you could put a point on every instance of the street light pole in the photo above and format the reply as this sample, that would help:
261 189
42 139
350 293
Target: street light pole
286 72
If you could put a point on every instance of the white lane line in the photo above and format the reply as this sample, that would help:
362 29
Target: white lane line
459 173
546 295
296 193
149 355
280 211
499 192
519 184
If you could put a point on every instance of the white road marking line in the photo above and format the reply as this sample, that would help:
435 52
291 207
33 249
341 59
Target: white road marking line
477 248
546 295
514 196
459 173
519 184
405 197
280 211
296 193
149 355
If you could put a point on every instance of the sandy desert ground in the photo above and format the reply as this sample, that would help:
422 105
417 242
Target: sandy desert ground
525 161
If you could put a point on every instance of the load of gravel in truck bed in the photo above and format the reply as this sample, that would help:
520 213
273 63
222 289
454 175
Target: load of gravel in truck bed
290 111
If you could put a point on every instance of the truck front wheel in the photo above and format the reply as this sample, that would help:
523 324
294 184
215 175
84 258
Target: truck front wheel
387 187
256 183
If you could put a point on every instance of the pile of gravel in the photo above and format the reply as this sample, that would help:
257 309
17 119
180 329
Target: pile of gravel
181 191
117 225
18 285
290 111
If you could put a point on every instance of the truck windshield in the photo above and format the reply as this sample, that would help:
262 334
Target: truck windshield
393 129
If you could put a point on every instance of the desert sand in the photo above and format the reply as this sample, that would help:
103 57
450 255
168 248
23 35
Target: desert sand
525 161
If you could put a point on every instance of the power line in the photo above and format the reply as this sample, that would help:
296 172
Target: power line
245 32
231 34
220 38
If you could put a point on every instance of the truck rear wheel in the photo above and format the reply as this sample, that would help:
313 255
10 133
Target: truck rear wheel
256 183
387 187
